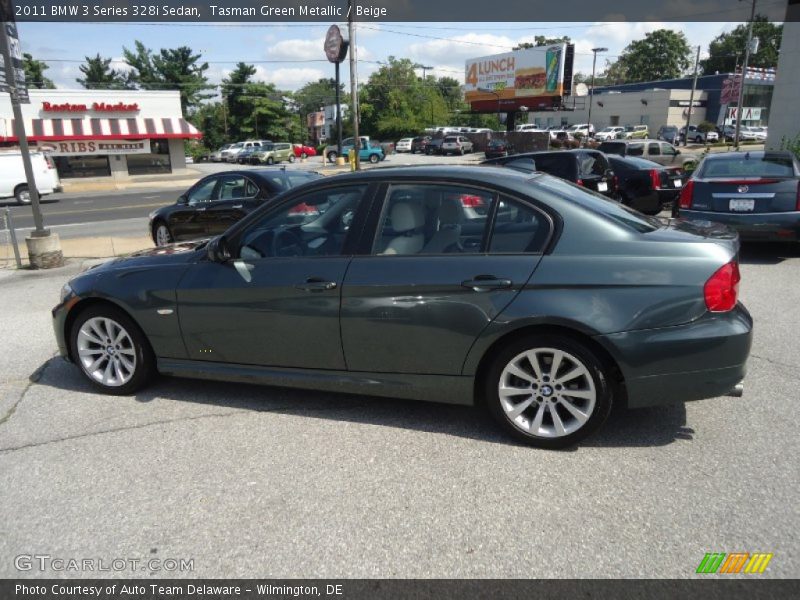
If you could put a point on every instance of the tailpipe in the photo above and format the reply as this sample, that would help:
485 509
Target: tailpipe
737 391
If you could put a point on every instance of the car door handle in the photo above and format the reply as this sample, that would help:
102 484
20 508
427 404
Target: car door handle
237 206
314 284
200 209
485 283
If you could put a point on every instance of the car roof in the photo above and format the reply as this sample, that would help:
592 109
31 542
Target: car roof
474 174
755 154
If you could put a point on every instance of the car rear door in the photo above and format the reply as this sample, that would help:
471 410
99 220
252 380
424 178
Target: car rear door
439 262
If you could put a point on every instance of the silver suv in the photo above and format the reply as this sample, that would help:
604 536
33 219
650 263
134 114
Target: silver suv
456 144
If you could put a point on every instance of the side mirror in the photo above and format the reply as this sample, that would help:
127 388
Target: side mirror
183 199
677 151
219 250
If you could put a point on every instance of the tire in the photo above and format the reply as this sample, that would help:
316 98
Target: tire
118 369
270 160
22 194
547 399
374 158
303 155
161 234
291 158
332 156
698 140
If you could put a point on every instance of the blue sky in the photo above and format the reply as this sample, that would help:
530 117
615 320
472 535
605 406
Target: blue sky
444 46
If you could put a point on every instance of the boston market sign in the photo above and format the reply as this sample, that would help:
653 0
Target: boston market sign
96 106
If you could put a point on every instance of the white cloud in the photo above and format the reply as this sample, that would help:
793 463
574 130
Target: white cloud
288 79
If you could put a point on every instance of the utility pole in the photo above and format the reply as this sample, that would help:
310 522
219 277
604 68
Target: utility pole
744 75
354 83
591 93
691 98
44 250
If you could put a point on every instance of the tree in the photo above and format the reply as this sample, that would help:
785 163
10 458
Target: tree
726 51
661 54
98 74
170 69
541 40
316 94
34 73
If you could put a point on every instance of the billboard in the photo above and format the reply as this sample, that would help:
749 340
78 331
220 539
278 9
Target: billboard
533 77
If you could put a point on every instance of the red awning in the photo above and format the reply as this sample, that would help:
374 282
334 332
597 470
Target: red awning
88 128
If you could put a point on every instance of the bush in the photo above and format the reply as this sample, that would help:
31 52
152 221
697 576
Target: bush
556 144
706 126
792 145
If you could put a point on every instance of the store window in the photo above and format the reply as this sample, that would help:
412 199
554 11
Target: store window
157 161
82 166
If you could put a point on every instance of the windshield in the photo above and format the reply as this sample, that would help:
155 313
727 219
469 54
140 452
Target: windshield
597 203
748 166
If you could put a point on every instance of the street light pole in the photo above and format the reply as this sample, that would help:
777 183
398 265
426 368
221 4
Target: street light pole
744 75
691 99
354 84
591 92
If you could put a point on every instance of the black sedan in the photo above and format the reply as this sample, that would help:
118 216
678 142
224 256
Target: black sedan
587 168
418 143
756 193
216 202
644 185
434 146
547 306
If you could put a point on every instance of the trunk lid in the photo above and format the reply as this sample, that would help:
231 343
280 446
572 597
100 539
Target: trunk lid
746 195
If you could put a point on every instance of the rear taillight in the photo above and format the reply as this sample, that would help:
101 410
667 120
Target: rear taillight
471 201
686 194
655 178
580 182
722 288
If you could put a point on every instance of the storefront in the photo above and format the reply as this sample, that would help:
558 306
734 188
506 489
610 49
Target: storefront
103 133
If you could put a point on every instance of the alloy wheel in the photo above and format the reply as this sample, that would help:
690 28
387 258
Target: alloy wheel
163 236
547 392
106 352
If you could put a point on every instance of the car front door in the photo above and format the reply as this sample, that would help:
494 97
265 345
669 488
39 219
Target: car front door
669 155
276 301
186 220
431 277
235 197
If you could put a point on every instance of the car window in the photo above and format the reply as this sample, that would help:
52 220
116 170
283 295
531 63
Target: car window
668 150
560 165
654 149
518 228
236 186
433 219
739 166
635 150
612 148
316 224
202 192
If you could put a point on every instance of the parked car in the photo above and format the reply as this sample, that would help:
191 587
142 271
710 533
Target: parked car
369 151
697 136
331 151
581 129
232 153
269 154
530 128
498 147
752 134
245 156
217 201
660 152
587 168
644 185
13 183
668 133
636 132
609 133
404 145
548 316
418 143
217 156
434 146
757 193
456 144
303 151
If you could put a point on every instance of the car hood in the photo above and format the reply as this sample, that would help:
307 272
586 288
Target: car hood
171 254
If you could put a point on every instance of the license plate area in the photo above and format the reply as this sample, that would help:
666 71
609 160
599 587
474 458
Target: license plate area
742 205
677 183
602 186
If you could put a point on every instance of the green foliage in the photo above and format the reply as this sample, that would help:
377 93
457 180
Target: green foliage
34 73
170 69
541 40
316 94
661 54
727 49
98 74
706 126
792 145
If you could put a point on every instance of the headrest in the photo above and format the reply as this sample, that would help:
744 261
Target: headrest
406 216
451 212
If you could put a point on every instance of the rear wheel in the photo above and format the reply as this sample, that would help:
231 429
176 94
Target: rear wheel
548 391
111 350
374 158
270 160
303 155
291 158
22 194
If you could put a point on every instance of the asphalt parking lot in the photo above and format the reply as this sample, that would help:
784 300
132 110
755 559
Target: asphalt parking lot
250 481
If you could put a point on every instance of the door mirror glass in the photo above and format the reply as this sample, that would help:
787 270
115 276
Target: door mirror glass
182 199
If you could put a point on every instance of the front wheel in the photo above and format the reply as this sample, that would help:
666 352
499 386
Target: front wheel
111 350
270 160
374 158
548 391
291 158
22 194
161 234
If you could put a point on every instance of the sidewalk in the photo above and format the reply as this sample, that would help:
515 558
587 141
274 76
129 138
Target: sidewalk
85 247
182 179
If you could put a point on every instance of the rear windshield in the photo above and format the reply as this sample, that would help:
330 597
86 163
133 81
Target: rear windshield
748 166
560 165
592 163
612 148
450 139
614 211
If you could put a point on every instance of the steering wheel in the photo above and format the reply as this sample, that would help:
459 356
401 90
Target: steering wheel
286 243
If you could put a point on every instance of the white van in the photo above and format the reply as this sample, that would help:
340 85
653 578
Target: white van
12 176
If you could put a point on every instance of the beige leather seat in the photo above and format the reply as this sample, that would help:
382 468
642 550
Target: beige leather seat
448 238
407 219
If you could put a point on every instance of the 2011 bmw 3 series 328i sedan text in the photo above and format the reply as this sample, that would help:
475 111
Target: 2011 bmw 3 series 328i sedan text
521 292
